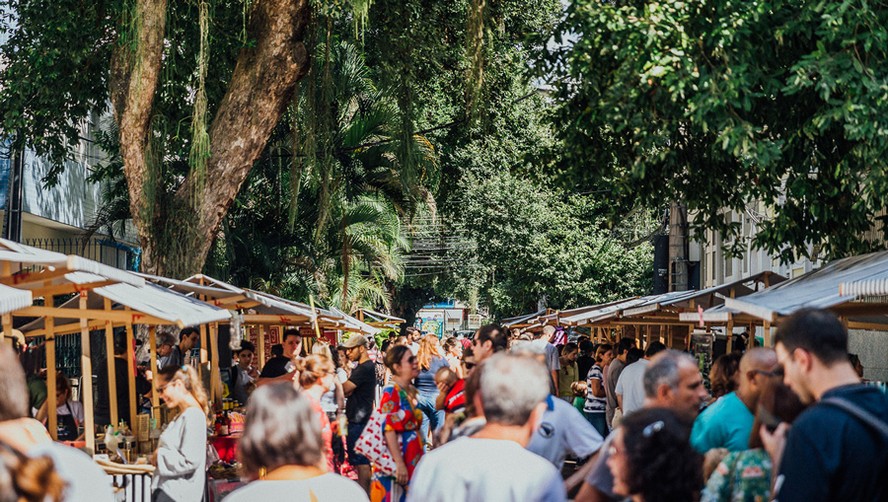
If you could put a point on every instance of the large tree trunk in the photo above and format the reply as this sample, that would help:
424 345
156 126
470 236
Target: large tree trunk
177 237
133 82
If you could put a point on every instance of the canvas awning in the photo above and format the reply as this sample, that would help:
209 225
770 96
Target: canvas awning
706 298
44 272
821 288
12 299
354 324
149 304
374 317
602 312
522 319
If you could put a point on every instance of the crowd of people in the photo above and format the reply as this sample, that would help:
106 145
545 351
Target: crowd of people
496 418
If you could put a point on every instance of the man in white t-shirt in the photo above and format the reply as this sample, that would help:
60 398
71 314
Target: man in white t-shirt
493 465
563 428
630 385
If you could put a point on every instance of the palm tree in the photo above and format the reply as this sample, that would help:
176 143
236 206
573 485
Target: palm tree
370 233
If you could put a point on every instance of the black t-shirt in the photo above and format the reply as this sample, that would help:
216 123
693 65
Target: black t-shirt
275 367
584 364
833 455
359 405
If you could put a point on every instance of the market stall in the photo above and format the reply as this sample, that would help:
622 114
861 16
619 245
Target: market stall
115 306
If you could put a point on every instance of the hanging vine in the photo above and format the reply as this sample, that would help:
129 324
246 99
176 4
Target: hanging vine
200 138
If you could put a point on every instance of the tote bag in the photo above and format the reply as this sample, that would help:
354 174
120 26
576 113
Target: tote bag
371 444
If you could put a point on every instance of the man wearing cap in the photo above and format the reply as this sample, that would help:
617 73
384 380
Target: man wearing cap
360 389
165 344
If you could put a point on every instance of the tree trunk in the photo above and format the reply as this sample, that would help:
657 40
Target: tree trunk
176 234
132 84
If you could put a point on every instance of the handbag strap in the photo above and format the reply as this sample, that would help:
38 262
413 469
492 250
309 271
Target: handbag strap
859 413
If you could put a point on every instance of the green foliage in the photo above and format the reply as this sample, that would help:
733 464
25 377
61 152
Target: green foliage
726 103
536 243
55 70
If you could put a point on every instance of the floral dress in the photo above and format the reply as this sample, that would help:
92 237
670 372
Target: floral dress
403 417
743 476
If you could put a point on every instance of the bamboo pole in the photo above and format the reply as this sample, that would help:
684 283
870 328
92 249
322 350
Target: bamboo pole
767 335
51 402
203 346
7 327
112 368
152 339
261 346
131 373
750 343
86 390
729 331
215 376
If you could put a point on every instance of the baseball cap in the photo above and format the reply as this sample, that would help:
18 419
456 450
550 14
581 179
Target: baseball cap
355 340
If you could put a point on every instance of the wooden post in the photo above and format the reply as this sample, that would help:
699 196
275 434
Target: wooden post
7 327
669 335
215 376
729 331
203 346
767 335
131 372
660 334
86 390
152 339
51 402
112 371
260 350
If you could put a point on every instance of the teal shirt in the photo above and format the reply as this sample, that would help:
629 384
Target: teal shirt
727 423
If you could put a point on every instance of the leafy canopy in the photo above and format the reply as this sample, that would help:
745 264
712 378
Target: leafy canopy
727 103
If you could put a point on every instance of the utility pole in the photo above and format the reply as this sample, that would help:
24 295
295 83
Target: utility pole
678 246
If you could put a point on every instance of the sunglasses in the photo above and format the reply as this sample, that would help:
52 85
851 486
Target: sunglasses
469 365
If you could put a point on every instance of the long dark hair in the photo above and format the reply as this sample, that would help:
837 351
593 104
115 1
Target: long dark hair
663 466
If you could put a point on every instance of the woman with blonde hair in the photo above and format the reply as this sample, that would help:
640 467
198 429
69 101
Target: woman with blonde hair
430 361
181 455
316 375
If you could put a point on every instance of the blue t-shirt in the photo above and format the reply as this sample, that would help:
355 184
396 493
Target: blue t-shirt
425 382
832 455
727 423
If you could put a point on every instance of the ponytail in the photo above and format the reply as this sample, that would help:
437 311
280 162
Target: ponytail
29 479
193 384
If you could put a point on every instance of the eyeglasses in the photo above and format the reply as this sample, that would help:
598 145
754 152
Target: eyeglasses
469 365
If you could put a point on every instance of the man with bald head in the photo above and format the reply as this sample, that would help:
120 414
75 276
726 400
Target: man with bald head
727 423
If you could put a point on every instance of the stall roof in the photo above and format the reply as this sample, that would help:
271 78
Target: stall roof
708 297
354 324
191 288
818 289
148 303
12 299
380 317
55 266
511 321
604 311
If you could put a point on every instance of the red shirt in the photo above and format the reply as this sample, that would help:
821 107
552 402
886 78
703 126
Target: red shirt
456 398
